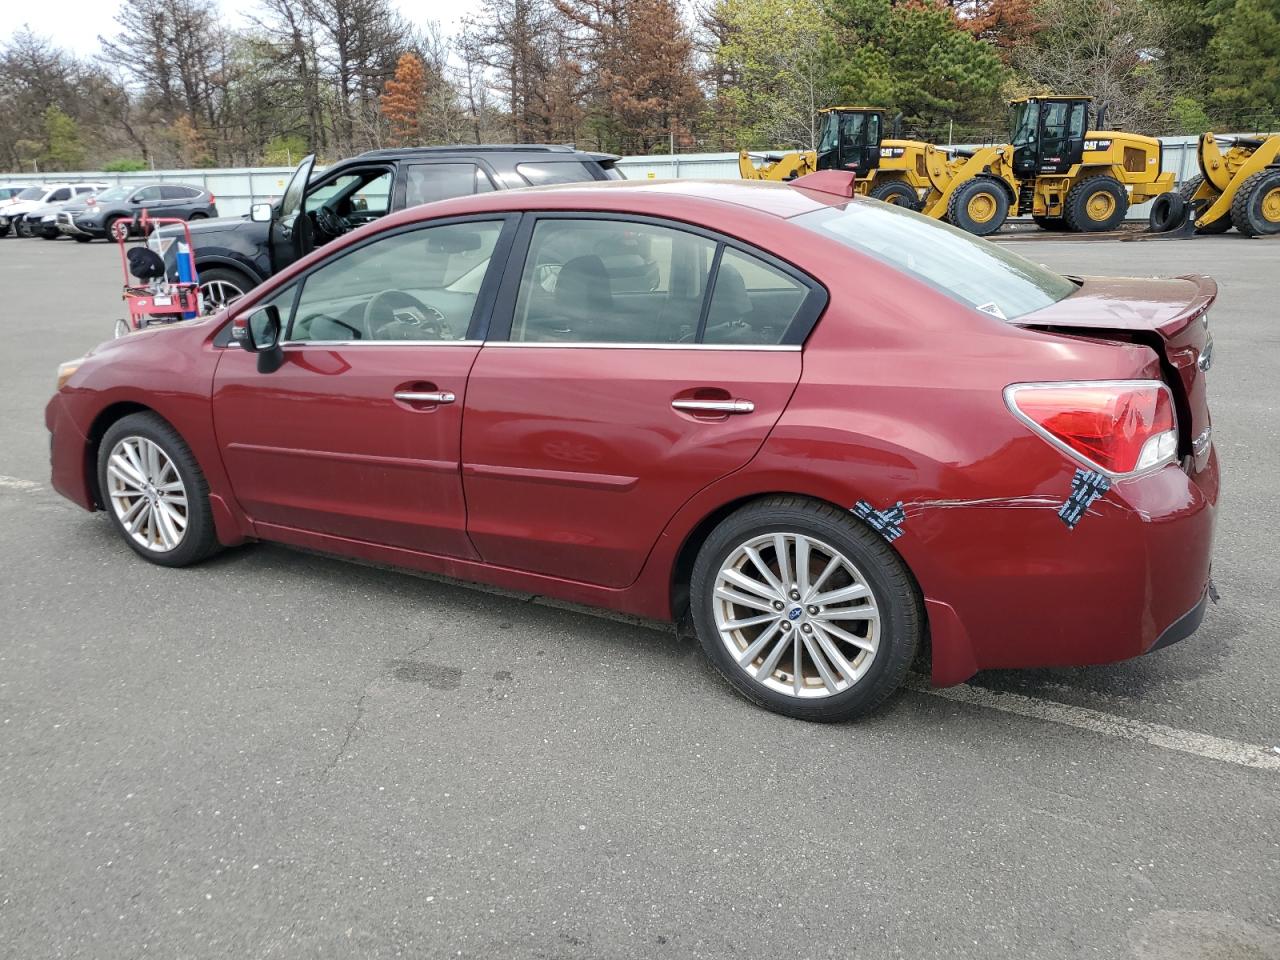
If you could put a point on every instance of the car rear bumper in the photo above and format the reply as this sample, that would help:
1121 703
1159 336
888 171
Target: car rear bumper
1015 588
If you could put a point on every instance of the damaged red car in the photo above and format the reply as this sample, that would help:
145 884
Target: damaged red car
832 433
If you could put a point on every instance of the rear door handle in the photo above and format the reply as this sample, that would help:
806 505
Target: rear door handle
713 406
425 396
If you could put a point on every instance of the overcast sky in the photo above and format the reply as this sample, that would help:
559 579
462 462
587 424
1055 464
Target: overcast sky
76 24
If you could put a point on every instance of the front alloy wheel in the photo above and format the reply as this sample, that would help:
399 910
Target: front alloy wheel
147 494
796 615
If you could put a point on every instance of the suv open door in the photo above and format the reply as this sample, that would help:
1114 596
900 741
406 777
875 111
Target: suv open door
291 234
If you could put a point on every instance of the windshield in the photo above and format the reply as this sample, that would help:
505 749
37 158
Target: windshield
974 271
32 193
115 193
1024 123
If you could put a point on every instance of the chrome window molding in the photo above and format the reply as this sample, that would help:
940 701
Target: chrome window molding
579 345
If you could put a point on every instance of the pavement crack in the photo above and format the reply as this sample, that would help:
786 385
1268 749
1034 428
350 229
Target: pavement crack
348 735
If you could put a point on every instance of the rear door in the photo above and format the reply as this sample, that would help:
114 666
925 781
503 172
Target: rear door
632 363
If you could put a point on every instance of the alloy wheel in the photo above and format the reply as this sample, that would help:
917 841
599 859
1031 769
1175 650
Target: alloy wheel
796 615
218 294
147 494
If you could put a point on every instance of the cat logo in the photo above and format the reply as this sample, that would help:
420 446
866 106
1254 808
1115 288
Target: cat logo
1097 144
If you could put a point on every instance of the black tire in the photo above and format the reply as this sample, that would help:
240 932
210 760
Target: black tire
1187 189
1167 212
49 235
1255 209
1052 224
979 206
80 238
1077 212
22 228
198 540
222 275
198 216
892 590
897 192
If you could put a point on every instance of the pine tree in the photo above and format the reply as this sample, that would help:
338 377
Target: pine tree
402 99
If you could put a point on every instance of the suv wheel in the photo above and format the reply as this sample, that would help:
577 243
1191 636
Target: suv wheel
805 610
220 287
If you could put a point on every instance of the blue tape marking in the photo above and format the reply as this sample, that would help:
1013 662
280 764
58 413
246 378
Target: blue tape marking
1086 487
887 522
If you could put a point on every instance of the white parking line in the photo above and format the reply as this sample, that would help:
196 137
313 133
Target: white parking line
1050 711
13 483
1107 724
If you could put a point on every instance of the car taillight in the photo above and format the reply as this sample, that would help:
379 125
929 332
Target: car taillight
212 199
1120 427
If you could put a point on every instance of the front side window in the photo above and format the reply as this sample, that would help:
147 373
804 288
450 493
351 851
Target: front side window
147 195
363 194
31 193
601 281
543 173
420 285
974 271
59 195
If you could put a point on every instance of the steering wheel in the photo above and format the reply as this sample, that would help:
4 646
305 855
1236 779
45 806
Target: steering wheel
396 315
330 222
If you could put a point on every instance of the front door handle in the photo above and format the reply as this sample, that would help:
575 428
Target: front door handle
713 406
425 396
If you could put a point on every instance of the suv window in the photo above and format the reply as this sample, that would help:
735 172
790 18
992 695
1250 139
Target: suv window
86 188
173 192
753 302
147 195
417 285
601 281
59 195
555 171
365 194
426 182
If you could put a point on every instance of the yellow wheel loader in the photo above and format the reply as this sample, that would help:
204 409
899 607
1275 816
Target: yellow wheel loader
1238 186
852 138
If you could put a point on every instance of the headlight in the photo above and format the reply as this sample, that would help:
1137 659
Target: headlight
65 371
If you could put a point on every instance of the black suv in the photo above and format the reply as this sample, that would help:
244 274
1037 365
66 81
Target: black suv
235 254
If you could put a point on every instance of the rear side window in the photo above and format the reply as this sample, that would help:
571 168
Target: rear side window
556 171
427 182
173 192
59 195
752 303
631 282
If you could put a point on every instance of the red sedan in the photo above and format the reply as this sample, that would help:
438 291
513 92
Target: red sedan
831 432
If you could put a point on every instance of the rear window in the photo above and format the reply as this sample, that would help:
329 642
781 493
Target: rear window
974 271
555 171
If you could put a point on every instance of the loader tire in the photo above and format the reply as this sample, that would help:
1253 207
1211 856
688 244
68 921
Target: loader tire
1255 209
897 192
1096 204
1168 211
1187 190
979 206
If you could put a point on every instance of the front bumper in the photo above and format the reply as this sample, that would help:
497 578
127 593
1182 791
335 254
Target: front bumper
68 461
67 224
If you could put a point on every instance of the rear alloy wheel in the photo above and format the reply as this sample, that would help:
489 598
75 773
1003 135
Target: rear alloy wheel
804 610
154 491
1096 204
220 287
896 192
979 206
1255 209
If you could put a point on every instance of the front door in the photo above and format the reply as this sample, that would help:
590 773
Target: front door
642 363
290 232
357 435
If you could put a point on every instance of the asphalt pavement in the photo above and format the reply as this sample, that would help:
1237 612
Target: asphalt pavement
277 754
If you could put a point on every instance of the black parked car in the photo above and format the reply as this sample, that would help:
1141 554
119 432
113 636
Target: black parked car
115 209
233 255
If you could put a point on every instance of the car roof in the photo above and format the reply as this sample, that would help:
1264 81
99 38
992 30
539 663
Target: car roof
695 200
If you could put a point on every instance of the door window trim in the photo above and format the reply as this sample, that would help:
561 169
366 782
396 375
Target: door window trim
485 301
503 313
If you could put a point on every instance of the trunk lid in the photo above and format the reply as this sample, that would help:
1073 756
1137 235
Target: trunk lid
1168 315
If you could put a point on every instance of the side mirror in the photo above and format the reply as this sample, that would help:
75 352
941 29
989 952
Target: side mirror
261 213
260 333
